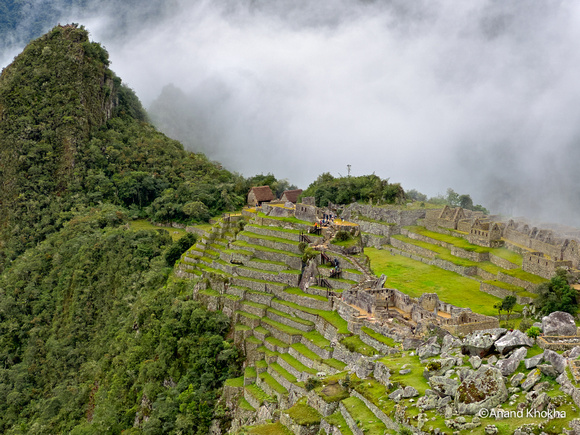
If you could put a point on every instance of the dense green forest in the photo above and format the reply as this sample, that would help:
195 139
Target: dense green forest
96 333
344 190
72 136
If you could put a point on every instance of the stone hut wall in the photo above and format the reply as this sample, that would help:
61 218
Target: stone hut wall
542 266
306 212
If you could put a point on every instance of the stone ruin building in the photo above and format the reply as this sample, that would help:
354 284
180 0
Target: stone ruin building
543 250
386 304
259 195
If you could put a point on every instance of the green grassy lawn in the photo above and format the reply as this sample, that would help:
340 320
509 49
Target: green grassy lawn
355 344
415 278
379 337
303 414
143 224
290 219
365 419
414 379
270 429
331 317
338 420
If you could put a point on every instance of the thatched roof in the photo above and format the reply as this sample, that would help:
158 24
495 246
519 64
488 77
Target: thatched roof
292 195
262 193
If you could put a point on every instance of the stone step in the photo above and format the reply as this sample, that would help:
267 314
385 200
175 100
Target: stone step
247 319
288 277
261 333
282 332
256 396
293 261
309 358
270 242
272 387
269 265
354 410
258 285
258 296
275 345
254 308
299 297
283 376
289 320
295 367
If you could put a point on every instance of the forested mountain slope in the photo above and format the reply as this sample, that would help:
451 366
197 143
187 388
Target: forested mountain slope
96 335
72 136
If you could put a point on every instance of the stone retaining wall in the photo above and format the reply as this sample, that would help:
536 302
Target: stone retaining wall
378 413
413 249
382 374
322 353
320 405
258 298
256 311
289 247
373 241
558 343
381 347
377 228
516 281
349 420
288 322
281 335
470 255
271 267
501 262
294 311
306 301
292 262
256 285
265 221
295 428
501 293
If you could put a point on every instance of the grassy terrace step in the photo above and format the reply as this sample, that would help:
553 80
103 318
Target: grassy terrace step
302 349
212 270
281 327
235 382
338 420
293 318
335 364
245 245
210 292
317 339
331 317
379 337
272 383
299 292
254 340
240 327
270 429
284 373
270 238
259 394
261 365
245 405
520 291
281 345
355 344
290 219
250 373
460 242
303 414
415 278
238 251
255 305
368 422
525 276
293 362
232 297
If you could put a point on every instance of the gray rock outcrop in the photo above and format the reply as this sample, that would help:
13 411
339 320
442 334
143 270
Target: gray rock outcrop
480 342
556 360
559 323
429 349
444 386
512 340
509 365
483 389
534 361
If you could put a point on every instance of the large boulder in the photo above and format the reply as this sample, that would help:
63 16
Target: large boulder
443 385
429 348
509 365
480 342
559 323
438 367
511 340
534 361
558 361
483 389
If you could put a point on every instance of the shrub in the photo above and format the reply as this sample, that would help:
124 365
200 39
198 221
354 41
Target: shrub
312 383
342 236
533 332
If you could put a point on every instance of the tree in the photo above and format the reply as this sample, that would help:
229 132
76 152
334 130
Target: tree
508 304
557 295
499 307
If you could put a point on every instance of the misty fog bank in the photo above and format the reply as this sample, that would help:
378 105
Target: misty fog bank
478 96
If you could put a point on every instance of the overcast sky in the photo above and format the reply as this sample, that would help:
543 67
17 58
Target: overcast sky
481 96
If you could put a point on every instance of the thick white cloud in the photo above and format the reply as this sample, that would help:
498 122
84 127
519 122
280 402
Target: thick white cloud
479 96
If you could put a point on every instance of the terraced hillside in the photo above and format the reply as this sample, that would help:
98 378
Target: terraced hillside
317 365
497 271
